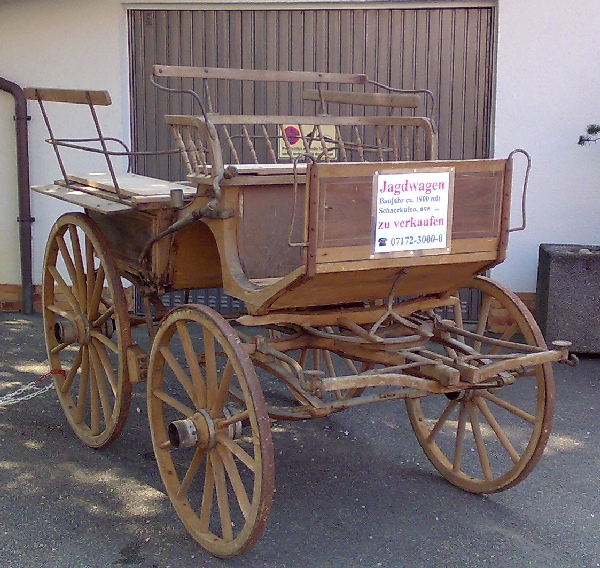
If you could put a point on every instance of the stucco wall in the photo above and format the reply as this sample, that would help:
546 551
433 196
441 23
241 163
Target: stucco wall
9 234
547 88
547 92
67 44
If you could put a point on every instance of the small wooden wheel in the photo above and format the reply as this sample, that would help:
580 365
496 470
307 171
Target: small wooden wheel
485 440
210 430
86 326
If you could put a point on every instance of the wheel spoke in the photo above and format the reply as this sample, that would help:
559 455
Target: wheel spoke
107 366
510 332
442 420
179 373
351 366
303 357
216 409
83 385
100 321
104 370
90 274
67 259
237 451
235 480
79 272
190 473
329 363
94 305
66 384
508 406
59 347
59 311
241 416
211 367
483 319
95 381
500 434
197 391
208 494
479 443
460 439
114 347
222 496
173 402
65 289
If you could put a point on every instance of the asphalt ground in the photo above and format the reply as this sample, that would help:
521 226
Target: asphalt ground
352 490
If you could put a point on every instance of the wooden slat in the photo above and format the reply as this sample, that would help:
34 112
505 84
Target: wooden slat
99 98
218 119
82 199
331 260
131 184
480 247
258 75
268 169
396 100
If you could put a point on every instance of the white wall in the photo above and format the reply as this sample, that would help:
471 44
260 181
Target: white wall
547 93
66 44
547 89
10 272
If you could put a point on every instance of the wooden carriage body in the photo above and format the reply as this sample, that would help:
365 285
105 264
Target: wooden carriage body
301 235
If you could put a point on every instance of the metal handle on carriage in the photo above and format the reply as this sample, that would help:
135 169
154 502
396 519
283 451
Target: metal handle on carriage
524 194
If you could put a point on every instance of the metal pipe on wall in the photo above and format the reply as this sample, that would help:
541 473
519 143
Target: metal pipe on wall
24 219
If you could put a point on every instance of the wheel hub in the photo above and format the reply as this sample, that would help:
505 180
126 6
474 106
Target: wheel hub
462 396
235 429
78 330
200 430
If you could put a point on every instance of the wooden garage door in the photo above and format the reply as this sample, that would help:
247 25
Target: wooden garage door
448 50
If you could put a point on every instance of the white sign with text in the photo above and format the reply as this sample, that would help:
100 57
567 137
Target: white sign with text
412 211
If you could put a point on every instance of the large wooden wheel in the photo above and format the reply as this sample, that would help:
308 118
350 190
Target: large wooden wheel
210 430
86 326
485 440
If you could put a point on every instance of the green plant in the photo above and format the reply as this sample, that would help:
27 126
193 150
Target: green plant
591 135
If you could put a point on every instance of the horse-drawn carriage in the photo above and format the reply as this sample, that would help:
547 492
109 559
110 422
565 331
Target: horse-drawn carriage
348 242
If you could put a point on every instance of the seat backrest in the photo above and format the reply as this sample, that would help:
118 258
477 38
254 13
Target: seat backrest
363 127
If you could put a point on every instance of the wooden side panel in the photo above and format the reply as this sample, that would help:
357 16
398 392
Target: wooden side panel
195 259
127 233
264 223
477 204
345 204
345 212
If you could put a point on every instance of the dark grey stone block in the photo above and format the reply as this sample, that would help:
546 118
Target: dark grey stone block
568 295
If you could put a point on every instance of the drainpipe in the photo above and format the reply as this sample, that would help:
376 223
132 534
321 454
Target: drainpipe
24 219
